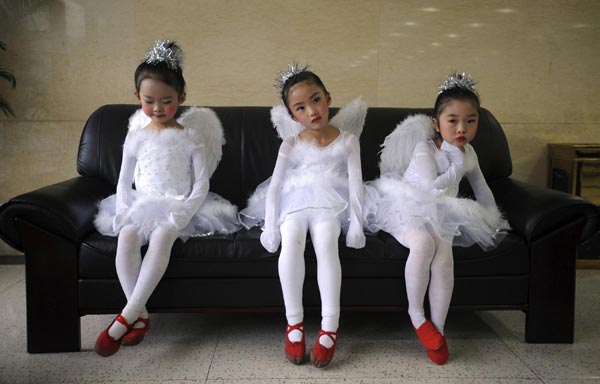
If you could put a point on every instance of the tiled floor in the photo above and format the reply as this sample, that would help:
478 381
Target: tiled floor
485 347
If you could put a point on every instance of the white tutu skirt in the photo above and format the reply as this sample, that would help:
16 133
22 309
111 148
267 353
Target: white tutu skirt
460 221
296 199
215 216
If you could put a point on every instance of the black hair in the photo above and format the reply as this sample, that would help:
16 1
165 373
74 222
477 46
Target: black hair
160 70
298 78
454 93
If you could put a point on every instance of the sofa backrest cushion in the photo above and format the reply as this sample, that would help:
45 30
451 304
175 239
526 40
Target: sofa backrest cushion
252 144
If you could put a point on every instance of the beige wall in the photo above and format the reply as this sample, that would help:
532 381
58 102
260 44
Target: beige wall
537 63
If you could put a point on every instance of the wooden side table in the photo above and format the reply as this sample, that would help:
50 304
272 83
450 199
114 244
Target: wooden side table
575 168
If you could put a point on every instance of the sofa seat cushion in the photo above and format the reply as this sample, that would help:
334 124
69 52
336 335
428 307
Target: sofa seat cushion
511 257
241 255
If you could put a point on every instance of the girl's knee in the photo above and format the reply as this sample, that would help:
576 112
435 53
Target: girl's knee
422 242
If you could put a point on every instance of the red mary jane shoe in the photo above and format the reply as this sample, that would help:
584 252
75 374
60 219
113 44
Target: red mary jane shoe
106 345
440 355
429 336
295 351
320 356
136 335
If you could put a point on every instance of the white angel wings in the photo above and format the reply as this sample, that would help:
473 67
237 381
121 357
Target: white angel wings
398 146
204 123
350 118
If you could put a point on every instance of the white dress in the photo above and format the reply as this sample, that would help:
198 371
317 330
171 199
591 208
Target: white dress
420 188
314 177
171 169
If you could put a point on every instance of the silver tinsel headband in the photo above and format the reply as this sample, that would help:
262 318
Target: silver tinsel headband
164 50
292 70
460 80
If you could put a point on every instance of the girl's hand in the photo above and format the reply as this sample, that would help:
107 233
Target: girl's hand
355 238
270 240
455 155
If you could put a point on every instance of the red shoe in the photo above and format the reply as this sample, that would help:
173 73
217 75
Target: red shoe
320 356
429 336
136 335
106 345
440 355
295 351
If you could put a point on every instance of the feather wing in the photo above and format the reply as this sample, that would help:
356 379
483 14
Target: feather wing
283 122
138 120
209 133
351 117
398 146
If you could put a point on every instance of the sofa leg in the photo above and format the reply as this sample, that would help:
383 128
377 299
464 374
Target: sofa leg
53 321
551 310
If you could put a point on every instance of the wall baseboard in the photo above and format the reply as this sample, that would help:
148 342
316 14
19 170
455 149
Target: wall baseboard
12 259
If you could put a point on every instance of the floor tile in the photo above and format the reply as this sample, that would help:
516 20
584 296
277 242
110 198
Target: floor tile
374 347
10 275
559 361
399 380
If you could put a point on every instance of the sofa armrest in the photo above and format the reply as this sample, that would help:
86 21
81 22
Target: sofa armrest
66 209
534 211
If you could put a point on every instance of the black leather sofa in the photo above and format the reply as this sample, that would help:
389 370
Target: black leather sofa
70 269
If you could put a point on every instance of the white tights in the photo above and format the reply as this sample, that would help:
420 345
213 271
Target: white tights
139 278
324 231
430 262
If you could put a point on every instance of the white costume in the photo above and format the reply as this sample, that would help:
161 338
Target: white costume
313 189
419 184
171 169
415 201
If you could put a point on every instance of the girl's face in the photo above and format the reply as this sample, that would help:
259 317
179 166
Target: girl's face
159 100
309 105
458 122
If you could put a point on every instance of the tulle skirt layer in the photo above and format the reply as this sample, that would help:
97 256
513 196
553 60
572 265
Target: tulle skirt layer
461 221
215 216
301 198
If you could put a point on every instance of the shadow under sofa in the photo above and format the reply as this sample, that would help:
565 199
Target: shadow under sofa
70 268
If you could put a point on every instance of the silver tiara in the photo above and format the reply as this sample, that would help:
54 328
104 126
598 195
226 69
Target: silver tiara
458 80
164 50
292 70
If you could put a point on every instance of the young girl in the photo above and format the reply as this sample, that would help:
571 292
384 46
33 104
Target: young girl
170 162
316 187
422 164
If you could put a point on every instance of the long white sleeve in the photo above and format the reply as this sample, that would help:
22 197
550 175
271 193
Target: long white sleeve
198 192
423 165
455 171
125 183
271 237
482 191
355 238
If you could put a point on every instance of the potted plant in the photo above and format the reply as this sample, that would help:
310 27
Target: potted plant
6 75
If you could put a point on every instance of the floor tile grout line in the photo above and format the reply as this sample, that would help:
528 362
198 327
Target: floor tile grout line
8 288
213 354
515 354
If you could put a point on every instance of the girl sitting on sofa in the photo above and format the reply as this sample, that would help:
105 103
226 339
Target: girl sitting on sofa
422 163
316 187
170 160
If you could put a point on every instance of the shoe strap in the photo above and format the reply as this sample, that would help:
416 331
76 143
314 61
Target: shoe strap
123 321
331 335
299 327
146 322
